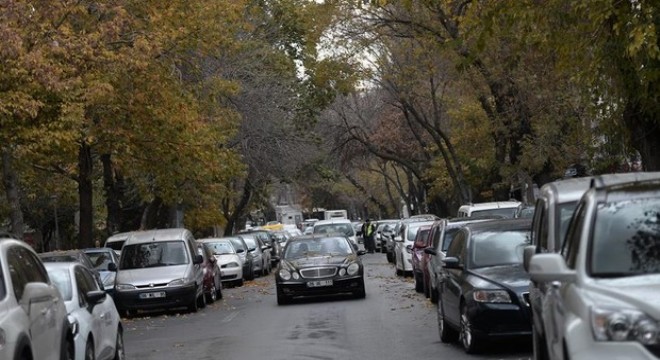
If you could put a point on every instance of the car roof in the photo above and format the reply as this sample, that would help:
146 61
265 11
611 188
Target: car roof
461 221
570 190
210 240
315 237
62 265
146 236
500 225
332 221
492 205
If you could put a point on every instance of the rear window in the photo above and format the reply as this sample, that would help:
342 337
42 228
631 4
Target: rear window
343 229
155 254
220 247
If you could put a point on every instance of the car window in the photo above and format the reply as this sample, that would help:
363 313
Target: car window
24 268
626 238
573 235
100 259
62 281
3 285
455 247
162 253
435 235
220 247
238 244
82 285
539 226
448 237
566 211
493 248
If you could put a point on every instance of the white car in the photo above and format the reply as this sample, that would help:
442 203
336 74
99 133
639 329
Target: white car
231 266
505 209
96 327
336 226
33 318
603 286
403 242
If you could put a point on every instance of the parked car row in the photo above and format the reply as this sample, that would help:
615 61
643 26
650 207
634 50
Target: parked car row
578 275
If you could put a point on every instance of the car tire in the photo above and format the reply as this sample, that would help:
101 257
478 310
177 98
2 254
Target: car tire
447 333
193 307
250 274
434 296
89 350
390 257
419 285
201 299
120 353
239 283
471 344
67 352
212 296
219 291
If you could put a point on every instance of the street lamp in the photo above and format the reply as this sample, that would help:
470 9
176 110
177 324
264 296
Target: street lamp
57 228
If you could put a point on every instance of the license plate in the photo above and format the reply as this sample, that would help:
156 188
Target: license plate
152 295
319 283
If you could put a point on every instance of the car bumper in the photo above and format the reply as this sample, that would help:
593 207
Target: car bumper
500 320
231 274
339 286
174 297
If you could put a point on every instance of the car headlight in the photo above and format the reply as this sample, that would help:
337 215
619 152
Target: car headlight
295 275
624 325
285 275
125 287
177 282
491 296
353 269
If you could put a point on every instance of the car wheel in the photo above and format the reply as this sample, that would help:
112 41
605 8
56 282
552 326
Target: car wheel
390 258
119 346
202 300
419 285
239 282
434 296
89 350
67 352
447 334
219 290
194 305
425 287
471 344
212 295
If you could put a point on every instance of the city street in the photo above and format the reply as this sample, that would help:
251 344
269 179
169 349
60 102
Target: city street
393 322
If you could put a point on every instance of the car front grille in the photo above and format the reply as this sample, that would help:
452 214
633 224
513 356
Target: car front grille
149 286
318 272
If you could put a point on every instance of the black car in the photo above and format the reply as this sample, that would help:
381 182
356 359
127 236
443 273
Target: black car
485 291
319 265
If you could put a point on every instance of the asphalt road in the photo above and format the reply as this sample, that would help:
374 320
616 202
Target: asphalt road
393 322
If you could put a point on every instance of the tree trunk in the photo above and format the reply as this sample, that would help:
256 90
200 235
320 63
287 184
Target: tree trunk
114 218
240 207
646 139
10 181
85 192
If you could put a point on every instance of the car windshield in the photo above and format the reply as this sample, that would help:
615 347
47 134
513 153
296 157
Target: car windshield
62 281
317 247
344 229
506 212
566 211
100 259
59 258
238 244
220 247
162 253
251 242
450 234
626 238
492 248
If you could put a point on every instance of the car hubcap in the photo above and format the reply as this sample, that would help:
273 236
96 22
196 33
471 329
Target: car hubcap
466 331
214 293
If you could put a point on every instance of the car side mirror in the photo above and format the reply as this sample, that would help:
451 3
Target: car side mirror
198 259
361 252
355 246
430 251
550 267
451 263
112 267
34 290
95 296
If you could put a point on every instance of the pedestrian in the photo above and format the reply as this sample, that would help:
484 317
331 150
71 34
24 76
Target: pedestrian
368 232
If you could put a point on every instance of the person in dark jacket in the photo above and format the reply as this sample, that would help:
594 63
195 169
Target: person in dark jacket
368 234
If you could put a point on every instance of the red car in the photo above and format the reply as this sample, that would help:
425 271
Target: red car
212 275
422 241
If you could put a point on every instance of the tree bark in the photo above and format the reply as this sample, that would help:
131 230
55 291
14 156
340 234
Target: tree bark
112 195
232 219
645 132
10 182
85 193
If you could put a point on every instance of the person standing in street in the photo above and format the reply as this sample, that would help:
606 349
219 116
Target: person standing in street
368 232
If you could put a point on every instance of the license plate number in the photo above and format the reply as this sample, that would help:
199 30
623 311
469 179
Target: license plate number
319 283
152 295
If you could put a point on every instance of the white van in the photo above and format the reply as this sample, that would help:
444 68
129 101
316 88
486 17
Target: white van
506 209
159 269
116 241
